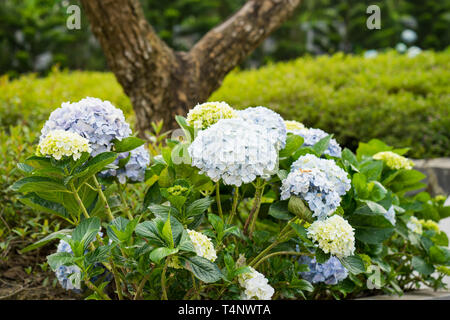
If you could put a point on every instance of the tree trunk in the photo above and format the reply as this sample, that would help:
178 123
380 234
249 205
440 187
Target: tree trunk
161 82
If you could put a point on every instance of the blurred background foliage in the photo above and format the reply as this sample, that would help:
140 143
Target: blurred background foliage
34 37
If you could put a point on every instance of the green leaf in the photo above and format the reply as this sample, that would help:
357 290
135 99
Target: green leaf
149 231
422 266
167 232
188 130
440 255
321 257
377 191
93 166
127 144
34 201
159 253
354 264
293 142
162 211
371 226
37 183
198 206
99 255
86 231
349 159
371 169
301 232
55 235
185 243
153 195
370 148
202 268
279 210
121 229
60 259
301 284
216 222
359 183
322 145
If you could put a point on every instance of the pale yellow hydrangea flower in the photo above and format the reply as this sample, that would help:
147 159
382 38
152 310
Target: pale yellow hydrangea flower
206 114
333 235
414 225
429 224
60 143
393 160
202 245
292 125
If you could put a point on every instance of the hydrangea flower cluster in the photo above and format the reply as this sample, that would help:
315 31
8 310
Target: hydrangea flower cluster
320 182
63 273
312 135
206 114
134 169
292 126
333 235
60 143
96 120
256 286
270 120
234 150
414 225
390 215
202 245
393 160
330 272
430 225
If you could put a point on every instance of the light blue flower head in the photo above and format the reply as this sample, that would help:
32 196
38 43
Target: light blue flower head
96 120
390 215
312 135
320 182
68 276
234 150
270 120
134 169
330 272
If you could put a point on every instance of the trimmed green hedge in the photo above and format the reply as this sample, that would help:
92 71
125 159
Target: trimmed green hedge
403 101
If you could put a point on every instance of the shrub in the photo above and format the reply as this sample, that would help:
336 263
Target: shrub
403 101
192 235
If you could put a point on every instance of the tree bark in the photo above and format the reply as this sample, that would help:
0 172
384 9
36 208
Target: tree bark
161 82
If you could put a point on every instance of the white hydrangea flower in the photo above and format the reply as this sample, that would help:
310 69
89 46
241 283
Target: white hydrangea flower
235 151
333 235
60 143
390 215
206 114
96 120
63 273
414 225
255 285
313 135
393 160
270 120
320 182
202 245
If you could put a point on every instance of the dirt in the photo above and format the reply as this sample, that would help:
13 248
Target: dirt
36 284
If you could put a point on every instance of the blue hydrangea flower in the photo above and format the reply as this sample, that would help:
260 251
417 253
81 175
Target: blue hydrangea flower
269 119
330 272
68 276
312 135
96 120
134 169
235 151
320 182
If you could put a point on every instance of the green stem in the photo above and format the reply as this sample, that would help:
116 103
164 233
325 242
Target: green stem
91 286
79 201
249 226
234 207
266 250
141 287
219 204
124 201
163 281
117 281
102 195
292 253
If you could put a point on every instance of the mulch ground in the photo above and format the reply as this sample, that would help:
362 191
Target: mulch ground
17 284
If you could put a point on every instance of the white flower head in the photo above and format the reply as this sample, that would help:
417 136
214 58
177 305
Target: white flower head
270 120
60 143
333 235
235 151
414 225
202 245
256 286
96 120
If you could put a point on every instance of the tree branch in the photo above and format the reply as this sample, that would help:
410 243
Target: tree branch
225 46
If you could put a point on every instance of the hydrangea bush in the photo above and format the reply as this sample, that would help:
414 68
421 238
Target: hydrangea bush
246 206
